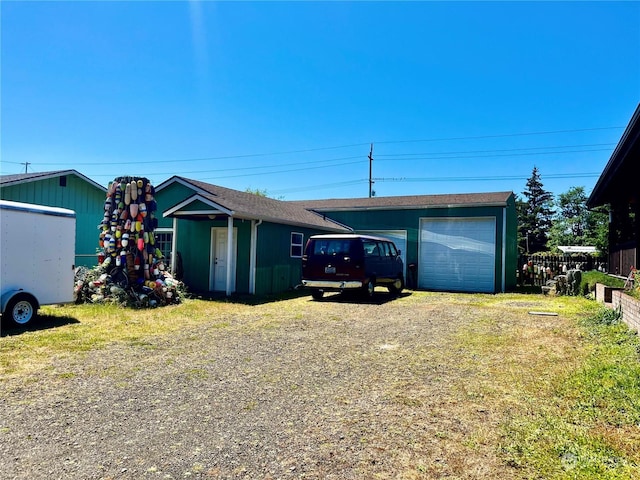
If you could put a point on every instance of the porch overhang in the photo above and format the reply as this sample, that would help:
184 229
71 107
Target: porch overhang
197 207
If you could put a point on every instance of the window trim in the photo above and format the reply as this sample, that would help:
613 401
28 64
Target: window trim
166 230
293 245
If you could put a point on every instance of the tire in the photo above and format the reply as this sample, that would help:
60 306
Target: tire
21 310
317 294
369 289
397 286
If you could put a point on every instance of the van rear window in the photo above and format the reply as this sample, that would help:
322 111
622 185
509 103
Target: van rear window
331 247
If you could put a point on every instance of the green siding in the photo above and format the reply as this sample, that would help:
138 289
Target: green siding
276 271
511 261
168 197
196 206
409 220
79 195
243 259
194 247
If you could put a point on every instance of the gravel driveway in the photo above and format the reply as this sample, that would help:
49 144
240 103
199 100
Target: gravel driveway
294 389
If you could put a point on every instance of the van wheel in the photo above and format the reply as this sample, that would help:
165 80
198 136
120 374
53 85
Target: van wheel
397 286
317 293
369 288
21 309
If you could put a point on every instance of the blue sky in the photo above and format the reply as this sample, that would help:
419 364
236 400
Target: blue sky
288 96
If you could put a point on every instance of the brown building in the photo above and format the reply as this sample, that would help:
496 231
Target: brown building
619 187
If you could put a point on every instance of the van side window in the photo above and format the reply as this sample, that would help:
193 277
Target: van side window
371 249
394 251
386 252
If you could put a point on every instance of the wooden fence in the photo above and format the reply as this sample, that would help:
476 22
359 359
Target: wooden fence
537 269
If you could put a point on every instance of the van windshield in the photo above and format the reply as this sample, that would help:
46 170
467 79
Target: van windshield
331 247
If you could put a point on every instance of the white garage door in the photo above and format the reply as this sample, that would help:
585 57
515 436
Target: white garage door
399 237
457 254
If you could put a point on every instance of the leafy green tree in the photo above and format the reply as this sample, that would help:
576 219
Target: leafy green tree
570 219
597 231
262 192
535 216
574 224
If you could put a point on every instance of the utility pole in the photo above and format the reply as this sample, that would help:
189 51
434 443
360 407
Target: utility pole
371 182
26 165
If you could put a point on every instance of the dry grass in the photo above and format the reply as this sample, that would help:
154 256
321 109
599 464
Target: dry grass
421 387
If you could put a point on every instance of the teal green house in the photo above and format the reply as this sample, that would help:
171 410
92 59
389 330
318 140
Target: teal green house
453 242
222 240
67 189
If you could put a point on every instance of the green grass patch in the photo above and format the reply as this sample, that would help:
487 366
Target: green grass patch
589 280
587 425
78 329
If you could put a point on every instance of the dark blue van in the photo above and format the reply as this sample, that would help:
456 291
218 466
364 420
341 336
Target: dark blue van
351 262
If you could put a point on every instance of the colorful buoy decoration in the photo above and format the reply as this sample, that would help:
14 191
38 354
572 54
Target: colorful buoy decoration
128 256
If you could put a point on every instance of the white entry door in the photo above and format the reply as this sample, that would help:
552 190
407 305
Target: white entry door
219 260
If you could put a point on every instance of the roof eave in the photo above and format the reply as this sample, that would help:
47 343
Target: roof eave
630 136
407 207
57 173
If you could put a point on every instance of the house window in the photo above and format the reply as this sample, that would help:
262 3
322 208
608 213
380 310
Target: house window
163 240
63 181
296 244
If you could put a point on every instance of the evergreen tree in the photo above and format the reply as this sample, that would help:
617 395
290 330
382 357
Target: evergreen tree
536 219
521 210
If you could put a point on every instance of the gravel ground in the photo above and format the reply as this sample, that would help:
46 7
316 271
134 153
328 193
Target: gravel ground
295 389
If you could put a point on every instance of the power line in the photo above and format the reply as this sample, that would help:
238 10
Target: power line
497 150
504 135
319 187
147 162
328 162
352 145
433 179
494 155
486 178
331 163
246 174
282 171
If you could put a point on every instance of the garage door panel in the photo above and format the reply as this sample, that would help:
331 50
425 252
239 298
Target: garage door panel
458 254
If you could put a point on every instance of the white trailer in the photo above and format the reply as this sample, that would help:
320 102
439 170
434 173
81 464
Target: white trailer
37 254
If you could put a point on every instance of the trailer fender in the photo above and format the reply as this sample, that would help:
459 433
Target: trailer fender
9 298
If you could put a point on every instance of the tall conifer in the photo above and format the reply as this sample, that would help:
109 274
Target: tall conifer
536 215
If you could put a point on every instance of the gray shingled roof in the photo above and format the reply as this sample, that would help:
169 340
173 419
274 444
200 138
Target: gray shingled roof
408 202
251 206
15 179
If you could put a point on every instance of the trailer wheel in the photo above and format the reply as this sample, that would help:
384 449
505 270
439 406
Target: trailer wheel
21 309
